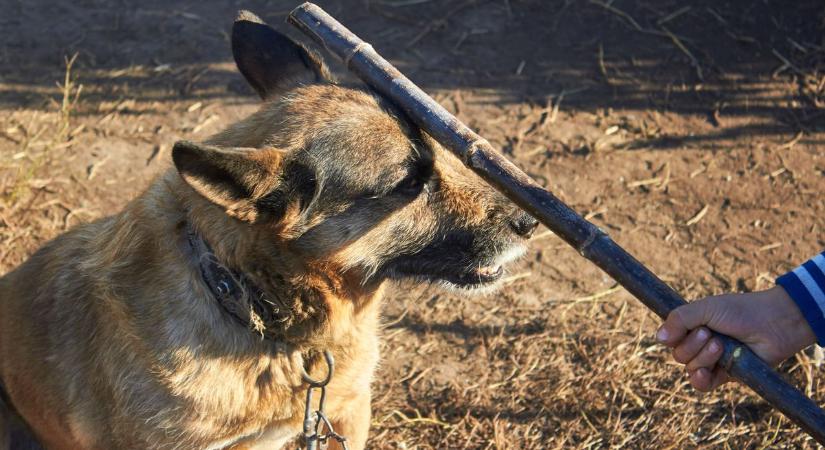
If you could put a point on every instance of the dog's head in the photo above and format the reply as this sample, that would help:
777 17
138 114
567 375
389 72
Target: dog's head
338 177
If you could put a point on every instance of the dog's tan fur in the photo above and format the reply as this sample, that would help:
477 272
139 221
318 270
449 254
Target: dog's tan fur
109 338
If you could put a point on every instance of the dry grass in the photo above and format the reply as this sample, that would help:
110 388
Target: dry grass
578 373
42 135
561 358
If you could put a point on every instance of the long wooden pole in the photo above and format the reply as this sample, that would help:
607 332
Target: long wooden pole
590 241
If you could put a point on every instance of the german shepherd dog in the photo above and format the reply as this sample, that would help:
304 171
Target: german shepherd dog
188 320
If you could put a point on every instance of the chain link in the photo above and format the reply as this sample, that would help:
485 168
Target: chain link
317 428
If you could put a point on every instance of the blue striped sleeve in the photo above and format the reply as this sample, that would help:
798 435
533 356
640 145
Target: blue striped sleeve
806 286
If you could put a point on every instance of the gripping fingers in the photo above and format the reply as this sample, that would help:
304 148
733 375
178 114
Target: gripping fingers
691 345
707 357
706 380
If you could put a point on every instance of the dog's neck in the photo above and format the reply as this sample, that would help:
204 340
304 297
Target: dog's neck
267 304
236 294
272 292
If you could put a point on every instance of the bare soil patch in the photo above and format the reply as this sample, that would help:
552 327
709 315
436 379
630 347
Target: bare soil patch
691 131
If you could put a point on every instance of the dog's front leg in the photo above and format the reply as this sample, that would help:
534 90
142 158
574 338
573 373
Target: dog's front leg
354 424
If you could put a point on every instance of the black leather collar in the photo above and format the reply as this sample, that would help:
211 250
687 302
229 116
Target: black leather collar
237 295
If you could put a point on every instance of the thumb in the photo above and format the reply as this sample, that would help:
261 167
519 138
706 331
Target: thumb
683 319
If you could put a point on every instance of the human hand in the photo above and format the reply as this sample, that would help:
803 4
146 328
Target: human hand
769 322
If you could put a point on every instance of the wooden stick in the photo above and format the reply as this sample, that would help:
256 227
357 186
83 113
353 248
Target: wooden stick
589 240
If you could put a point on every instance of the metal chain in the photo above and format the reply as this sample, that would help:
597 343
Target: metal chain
317 427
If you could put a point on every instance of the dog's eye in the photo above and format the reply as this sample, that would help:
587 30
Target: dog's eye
416 181
410 186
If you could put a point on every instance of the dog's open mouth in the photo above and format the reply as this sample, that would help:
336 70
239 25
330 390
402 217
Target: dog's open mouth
477 277
488 275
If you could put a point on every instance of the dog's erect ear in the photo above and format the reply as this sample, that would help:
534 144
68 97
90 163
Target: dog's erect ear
270 61
237 179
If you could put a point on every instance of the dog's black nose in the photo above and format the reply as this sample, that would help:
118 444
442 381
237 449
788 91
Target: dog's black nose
524 225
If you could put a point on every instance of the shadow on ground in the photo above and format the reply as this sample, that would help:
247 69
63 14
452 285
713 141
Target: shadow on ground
718 61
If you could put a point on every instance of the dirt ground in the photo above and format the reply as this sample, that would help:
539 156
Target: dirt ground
691 131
